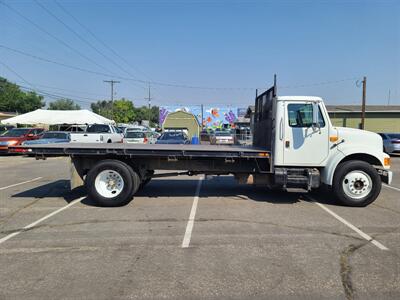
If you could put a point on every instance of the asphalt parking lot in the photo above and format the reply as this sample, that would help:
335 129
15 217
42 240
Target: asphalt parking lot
190 237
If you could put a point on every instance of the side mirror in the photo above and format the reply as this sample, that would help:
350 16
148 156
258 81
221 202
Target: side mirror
315 122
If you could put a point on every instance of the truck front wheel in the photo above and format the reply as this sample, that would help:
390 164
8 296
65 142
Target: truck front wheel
111 183
356 183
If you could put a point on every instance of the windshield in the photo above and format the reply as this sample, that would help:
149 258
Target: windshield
98 128
134 135
55 135
16 132
172 136
394 135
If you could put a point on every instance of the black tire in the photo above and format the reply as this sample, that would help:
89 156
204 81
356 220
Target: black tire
130 180
356 165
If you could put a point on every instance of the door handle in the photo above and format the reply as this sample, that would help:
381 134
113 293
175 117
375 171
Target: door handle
281 129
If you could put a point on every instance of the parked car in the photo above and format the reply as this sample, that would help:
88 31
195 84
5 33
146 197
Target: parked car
153 136
51 137
173 137
135 137
206 134
98 133
5 128
222 138
17 136
391 142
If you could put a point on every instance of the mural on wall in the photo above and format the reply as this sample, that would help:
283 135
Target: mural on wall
213 116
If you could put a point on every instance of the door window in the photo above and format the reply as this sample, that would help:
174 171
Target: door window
301 115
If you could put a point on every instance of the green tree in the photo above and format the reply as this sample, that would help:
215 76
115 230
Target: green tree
64 104
123 111
103 108
13 99
142 113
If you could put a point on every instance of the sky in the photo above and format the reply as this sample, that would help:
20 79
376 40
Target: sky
202 52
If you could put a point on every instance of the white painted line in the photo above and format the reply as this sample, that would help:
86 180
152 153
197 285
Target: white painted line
15 184
391 187
351 226
11 235
190 223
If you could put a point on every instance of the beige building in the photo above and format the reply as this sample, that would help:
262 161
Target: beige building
378 118
182 120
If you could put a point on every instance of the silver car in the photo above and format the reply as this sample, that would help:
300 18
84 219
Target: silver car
391 142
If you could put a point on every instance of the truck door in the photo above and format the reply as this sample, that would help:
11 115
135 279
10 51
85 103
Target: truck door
305 143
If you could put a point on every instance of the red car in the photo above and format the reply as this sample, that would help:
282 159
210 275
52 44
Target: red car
16 136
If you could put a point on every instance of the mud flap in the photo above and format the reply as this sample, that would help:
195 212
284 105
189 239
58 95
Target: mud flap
386 175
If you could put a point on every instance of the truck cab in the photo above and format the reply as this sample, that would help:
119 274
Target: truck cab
308 150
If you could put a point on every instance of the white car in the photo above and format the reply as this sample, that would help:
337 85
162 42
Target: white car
98 133
135 137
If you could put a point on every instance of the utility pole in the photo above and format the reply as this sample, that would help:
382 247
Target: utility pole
388 98
202 117
149 102
364 94
112 82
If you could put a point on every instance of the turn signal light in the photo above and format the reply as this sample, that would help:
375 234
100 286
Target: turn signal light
263 154
333 138
386 161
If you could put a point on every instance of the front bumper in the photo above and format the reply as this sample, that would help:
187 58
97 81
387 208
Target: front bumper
3 149
386 175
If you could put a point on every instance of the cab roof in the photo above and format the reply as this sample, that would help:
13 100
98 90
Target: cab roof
299 98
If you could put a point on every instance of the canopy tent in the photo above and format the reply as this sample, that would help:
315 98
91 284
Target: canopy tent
57 117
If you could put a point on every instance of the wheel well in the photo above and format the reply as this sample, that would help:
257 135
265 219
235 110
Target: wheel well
364 157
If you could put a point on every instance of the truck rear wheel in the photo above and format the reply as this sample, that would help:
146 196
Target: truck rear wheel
112 183
356 183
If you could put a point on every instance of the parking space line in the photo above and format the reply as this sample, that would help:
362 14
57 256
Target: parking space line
351 226
392 187
16 184
11 235
190 223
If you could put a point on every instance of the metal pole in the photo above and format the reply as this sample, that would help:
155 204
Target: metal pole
202 116
364 94
112 82
149 104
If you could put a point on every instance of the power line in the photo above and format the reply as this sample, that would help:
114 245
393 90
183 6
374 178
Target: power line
82 39
19 76
69 90
35 89
99 40
164 83
53 36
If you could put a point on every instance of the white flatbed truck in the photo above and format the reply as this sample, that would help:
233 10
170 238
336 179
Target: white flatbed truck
294 146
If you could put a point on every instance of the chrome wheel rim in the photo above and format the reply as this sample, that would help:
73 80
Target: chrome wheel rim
357 184
109 183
